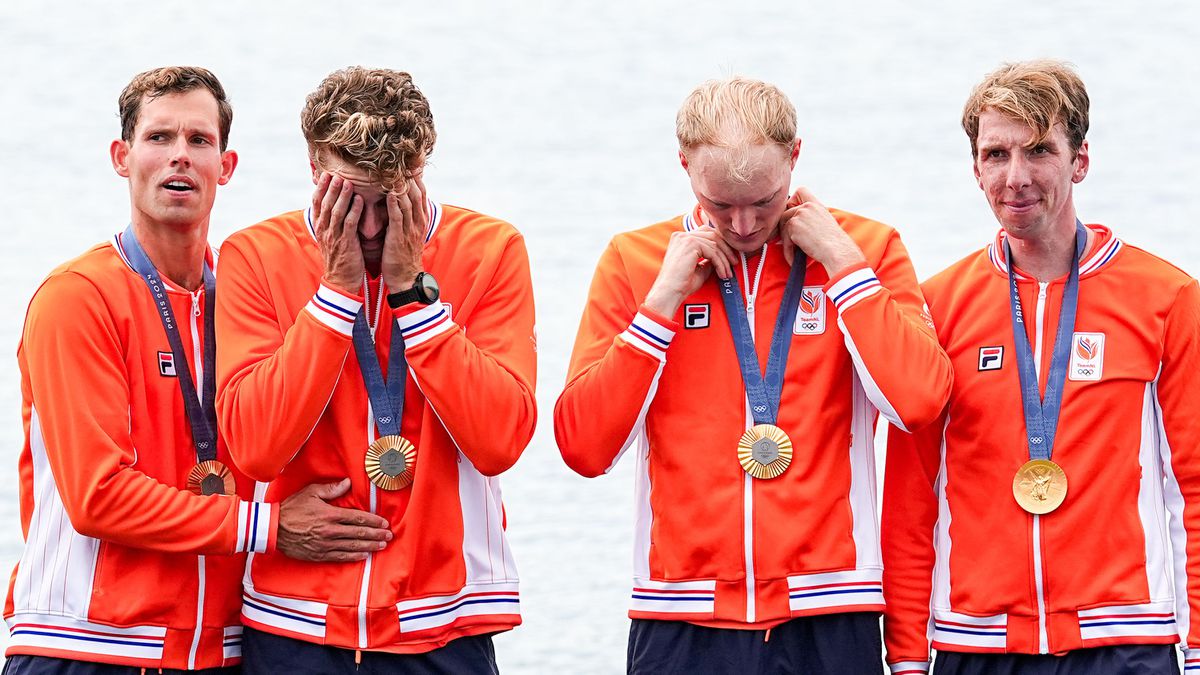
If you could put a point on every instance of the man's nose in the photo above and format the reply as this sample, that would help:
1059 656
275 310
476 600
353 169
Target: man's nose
370 224
743 221
181 153
1019 174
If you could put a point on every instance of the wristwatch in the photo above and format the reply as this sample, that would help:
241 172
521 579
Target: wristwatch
424 290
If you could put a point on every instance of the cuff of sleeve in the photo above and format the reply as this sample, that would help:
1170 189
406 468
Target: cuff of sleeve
335 308
851 286
420 323
668 323
272 527
257 522
1191 661
909 668
650 333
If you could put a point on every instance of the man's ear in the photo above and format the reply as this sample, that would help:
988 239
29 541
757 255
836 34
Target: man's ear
119 153
229 160
1082 162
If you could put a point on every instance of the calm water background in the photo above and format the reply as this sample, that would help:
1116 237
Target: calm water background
559 117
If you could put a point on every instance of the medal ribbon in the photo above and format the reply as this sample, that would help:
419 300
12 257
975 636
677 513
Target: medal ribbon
1041 414
201 413
387 398
764 391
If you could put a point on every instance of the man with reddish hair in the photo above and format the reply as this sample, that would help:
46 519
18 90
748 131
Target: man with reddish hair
135 520
1026 530
756 542
423 403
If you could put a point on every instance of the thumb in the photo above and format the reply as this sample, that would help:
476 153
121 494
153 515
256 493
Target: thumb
804 196
788 248
328 491
794 200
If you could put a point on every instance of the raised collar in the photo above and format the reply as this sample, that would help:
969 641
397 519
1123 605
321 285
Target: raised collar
1103 251
694 220
210 256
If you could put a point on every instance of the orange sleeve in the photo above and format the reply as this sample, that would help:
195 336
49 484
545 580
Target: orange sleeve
891 339
619 354
272 386
1178 400
910 512
479 380
80 419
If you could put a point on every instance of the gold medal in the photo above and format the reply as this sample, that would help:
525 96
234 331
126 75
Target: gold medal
765 451
210 478
1040 486
390 462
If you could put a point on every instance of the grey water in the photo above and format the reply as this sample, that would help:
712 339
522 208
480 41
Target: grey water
559 117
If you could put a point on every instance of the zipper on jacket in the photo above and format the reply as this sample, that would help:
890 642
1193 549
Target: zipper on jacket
748 480
1039 582
373 505
197 359
366 582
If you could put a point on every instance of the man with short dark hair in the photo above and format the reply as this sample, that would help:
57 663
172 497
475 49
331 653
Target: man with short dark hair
1026 530
135 520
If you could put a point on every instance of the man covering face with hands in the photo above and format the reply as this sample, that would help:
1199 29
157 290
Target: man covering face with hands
347 353
742 353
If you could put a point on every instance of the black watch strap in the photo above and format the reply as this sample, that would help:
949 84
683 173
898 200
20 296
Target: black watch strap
417 293
402 298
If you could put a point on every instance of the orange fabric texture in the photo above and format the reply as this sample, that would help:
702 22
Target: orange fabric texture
121 561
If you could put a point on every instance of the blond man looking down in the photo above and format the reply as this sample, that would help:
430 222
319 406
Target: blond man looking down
756 542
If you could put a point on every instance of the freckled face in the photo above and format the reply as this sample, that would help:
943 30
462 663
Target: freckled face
1028 185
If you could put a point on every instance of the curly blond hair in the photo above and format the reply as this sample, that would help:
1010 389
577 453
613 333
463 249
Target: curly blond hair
732 114
372 118
1041 93
171 80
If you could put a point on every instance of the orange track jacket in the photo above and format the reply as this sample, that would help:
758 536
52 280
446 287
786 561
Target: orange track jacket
966 568
294 409
121 564
713 545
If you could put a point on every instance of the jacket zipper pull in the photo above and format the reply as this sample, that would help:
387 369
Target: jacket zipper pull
196 304
357 658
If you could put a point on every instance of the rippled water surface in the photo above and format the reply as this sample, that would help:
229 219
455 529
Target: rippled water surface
559 117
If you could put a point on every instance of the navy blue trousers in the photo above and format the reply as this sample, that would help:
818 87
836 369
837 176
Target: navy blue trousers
830 644
20 664
1117 660
268 654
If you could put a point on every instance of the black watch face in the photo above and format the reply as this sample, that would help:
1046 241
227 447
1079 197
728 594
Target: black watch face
428 287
